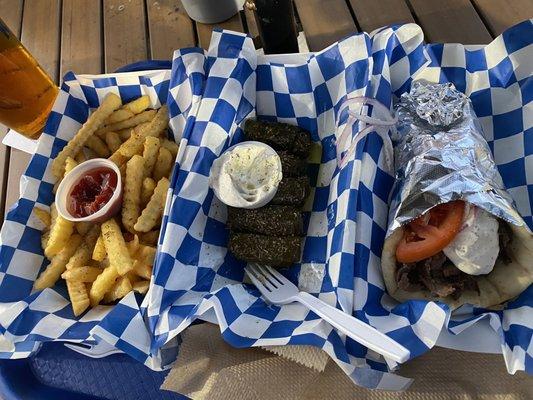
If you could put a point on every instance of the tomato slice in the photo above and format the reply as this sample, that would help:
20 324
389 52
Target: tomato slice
431 232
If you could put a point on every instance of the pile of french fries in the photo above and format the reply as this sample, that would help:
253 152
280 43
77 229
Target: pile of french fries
101 263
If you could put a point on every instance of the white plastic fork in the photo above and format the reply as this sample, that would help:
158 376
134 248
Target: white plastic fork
99 350
279 290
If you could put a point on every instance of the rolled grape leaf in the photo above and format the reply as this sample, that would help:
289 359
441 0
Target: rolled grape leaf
292 191
269 250
270 220
279 136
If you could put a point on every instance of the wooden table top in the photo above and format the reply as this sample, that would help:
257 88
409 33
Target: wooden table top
100 36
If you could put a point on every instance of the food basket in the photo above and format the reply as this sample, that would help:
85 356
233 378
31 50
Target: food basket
195 277
391 56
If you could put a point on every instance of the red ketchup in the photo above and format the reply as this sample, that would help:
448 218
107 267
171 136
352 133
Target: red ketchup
92 192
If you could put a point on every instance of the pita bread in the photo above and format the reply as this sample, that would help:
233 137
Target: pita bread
503 283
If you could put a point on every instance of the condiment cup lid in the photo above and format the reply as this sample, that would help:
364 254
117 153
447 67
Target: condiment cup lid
66 185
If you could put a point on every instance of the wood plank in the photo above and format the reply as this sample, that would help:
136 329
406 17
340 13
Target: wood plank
12 17
502 14
81 37
451 21
170 28
252 28
371 14
12 14
40 34
41 31
324 21
204 30
124 33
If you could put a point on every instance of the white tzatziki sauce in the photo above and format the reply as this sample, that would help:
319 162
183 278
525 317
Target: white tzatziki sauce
475 248
246 175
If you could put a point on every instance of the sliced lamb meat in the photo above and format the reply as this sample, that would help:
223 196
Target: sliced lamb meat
408 278
436 274
505 234
449 270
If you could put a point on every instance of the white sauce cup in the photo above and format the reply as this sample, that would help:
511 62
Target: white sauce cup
223 186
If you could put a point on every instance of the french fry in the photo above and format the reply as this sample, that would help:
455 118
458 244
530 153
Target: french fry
99 252
53 271
78 296
102 264
132 277
138 105
170 146
118 116
146 254
115 246
136 141
103 283
129 123
98 146
134 144
149 238
142 270
160 122
70 164
83 227
82 255
90 154
43 216
59 236
82 274
163 165
122 169
150 152
111 103
131 203
80 157
96 264
118 159
133 246
53 220
147 190
120 289
154 209
141 287
113 141
124 134
44 238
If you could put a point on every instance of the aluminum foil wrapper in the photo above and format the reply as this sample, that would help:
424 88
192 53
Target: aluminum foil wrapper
441 156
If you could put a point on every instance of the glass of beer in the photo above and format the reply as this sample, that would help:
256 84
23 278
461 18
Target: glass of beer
26 92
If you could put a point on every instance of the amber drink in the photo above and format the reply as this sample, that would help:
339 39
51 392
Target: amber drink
26 92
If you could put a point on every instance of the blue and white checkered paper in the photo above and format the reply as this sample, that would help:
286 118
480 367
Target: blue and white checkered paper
27 318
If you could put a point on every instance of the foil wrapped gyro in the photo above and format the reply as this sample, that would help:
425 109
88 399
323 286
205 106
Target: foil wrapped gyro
441 155
443 165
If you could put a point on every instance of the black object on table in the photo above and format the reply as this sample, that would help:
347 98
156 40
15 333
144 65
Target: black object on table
276 24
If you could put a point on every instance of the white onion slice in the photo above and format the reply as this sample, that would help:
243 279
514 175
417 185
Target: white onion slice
372 124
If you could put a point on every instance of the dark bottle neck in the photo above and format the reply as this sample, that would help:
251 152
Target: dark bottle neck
277 26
